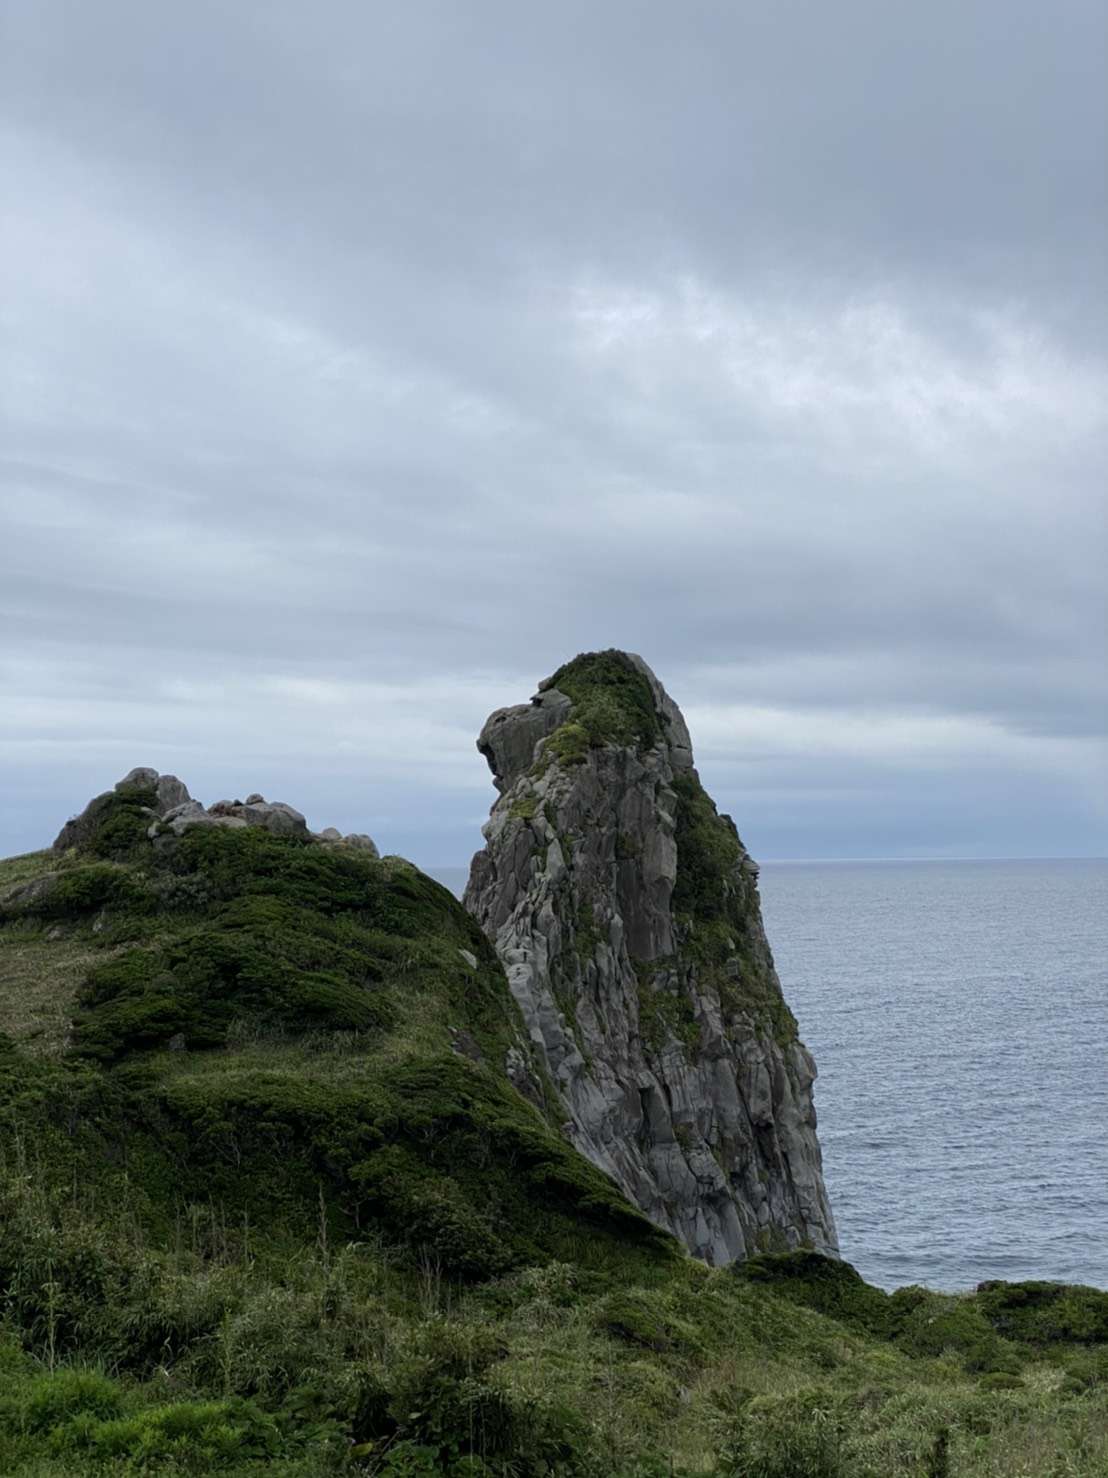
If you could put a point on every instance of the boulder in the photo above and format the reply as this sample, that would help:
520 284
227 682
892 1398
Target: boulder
274 816
142 776
361 843
174 808
171 792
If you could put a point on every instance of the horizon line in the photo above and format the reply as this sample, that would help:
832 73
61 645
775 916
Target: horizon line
795 861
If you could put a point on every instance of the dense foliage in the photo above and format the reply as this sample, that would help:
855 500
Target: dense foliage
612 701
268 1204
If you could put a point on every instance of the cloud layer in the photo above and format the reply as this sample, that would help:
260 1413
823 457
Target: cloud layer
361 367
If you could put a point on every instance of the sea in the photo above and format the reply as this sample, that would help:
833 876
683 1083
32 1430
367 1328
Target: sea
958 1015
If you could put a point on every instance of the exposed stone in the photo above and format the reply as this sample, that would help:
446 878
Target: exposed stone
510 735
78 829
362 843
175 812
275 816
141 776
180 824
329 834
171 792
626 914
186 808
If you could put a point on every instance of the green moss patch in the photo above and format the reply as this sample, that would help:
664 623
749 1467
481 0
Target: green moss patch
664 1010
568 745
611 698
716 912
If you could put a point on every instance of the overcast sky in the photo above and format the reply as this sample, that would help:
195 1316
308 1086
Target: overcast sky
362 362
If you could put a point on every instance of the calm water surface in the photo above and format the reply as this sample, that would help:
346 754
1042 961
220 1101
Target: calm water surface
958 1013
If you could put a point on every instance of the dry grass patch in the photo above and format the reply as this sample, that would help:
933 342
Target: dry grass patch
39 977
21 869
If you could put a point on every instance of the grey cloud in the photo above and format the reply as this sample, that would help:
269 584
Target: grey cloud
391 347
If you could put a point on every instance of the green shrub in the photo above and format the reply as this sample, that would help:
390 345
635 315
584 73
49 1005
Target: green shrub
114 825
81 890
639 1317
568 745
66 1394
449 1407
928 1324
822 1283
796 1437
1040 1313
1086 1370
256 958
432 1213
715 908
1000 1380
194 1434
708 852
612 701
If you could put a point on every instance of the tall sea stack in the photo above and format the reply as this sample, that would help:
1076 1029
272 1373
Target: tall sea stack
625 911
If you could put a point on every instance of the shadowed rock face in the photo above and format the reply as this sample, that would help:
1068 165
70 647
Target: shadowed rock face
625 911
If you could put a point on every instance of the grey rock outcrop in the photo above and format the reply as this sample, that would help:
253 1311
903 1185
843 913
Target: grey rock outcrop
625 911
360 843
274 816
169 793
174 811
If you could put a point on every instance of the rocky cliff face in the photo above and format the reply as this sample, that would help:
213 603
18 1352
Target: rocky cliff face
625 911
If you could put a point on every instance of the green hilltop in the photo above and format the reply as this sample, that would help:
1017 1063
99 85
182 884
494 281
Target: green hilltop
270 1203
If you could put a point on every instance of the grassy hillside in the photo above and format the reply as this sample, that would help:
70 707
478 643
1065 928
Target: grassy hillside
268 1203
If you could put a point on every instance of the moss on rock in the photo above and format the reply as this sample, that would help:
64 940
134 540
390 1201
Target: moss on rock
612 700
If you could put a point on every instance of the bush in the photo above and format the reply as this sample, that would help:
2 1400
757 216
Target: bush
640 1318
450 1410
436 1218
67 1394
822 1283
114 825
928 1324
797 1437
1000 1380
1041 1313
194 1434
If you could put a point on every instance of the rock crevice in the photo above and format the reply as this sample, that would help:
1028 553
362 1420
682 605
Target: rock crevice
625 911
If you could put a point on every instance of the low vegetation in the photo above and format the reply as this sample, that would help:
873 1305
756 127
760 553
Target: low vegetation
612 701
259 1214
